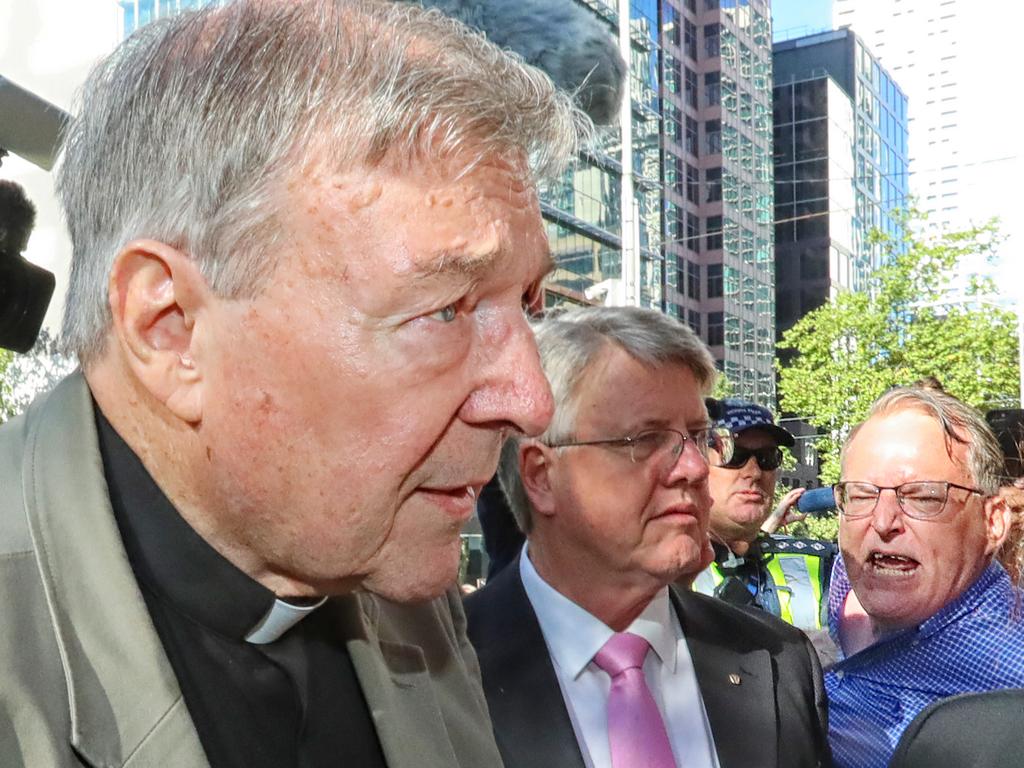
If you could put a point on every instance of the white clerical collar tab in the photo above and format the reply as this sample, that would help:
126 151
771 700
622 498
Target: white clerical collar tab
279 619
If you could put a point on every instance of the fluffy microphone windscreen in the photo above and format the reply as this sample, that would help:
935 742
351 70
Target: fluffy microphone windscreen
560 37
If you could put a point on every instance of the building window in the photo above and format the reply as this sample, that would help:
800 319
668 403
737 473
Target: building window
671 73
690 39
693 282
713 185
691 136
670 25
711 40
691 6
714 280
713 137
691 88
674 173
716 329
674 122
712 89
713 233
693 232
710 5
692 183
693 320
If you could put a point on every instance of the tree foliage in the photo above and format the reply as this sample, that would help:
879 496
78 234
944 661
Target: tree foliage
24 377
842 356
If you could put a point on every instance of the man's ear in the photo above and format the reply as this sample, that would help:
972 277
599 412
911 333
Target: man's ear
535 468
156 293
997 522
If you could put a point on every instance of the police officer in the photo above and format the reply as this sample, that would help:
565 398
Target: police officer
785 576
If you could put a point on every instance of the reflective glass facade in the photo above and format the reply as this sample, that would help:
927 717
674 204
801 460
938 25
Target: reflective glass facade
879 176
718 179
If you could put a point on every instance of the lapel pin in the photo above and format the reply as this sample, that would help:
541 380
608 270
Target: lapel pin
734 679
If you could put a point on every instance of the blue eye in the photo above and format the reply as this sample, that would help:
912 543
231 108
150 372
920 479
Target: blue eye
445 314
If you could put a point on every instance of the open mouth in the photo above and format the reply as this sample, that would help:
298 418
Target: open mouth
889 564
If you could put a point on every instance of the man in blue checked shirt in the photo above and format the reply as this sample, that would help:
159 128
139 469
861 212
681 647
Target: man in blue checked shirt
917 605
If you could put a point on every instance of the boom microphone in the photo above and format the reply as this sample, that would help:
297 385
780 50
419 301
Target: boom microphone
558 36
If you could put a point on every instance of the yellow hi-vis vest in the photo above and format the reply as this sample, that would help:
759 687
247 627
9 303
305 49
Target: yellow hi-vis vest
797 579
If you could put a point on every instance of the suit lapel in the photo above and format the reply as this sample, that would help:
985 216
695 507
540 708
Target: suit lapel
532 724
398 689
125 704
735 686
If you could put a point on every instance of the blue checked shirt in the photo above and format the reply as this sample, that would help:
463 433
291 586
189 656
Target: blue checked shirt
975 643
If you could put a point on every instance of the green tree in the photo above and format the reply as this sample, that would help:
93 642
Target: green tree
6 390
842 356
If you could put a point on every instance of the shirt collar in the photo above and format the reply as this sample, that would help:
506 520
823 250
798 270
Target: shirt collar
170 558
574 636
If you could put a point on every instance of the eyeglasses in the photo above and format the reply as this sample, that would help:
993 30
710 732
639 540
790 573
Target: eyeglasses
921 500
663 447
768 458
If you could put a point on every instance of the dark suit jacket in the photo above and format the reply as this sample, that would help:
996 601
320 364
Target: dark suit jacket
975 730
775 716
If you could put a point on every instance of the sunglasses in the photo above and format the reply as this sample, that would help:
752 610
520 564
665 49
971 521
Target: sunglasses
768 458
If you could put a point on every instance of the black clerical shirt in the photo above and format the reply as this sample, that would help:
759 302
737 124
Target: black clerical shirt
293 702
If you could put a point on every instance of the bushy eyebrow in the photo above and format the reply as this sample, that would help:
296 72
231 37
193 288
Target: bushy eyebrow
445 263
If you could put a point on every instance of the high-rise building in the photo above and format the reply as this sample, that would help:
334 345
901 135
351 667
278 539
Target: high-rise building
840 167
717 162
948 57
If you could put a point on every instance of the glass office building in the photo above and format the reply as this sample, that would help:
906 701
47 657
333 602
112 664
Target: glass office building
841 159
719 195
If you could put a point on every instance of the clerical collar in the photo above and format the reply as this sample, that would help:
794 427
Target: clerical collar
177 565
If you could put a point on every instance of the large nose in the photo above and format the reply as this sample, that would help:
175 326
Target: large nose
689 467
513 390
887 517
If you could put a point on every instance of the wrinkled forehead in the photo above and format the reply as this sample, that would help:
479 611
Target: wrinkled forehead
911 436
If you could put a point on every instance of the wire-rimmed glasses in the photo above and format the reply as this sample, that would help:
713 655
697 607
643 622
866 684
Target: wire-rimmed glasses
663 447
921 499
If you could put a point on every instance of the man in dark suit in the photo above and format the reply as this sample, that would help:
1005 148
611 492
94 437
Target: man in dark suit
588 657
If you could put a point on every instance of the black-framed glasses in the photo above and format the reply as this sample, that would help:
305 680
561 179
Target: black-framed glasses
768 458
921 499
663 447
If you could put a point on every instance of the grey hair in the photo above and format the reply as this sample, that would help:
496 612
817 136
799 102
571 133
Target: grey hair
961 424
192 130
570 343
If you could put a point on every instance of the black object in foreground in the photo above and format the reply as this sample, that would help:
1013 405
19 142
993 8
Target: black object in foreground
25 289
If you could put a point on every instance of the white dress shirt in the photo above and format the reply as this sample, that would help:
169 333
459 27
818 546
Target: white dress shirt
573 636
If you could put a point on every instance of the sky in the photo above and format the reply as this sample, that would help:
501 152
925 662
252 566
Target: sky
793 18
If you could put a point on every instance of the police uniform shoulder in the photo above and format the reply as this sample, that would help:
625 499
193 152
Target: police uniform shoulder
789 545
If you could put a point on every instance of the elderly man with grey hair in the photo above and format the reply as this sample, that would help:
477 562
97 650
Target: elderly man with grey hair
589 658
917 605
304 234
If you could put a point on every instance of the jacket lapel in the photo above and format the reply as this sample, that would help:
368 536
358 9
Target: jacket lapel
532 724
125 704
735 686
398 689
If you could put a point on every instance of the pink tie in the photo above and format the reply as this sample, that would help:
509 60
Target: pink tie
636 732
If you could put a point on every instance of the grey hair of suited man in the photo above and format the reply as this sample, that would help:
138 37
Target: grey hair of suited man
191 132
570 343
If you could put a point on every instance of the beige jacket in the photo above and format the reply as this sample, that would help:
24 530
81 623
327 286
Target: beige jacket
84 680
